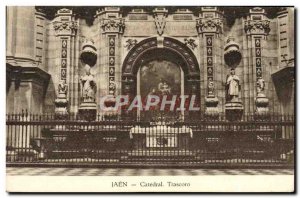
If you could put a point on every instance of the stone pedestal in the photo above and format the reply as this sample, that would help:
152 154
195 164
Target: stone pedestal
88 111
211 102
61 104
262 109
110 113
212 110
234 111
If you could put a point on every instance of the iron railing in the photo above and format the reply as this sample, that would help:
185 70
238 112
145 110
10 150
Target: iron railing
44 139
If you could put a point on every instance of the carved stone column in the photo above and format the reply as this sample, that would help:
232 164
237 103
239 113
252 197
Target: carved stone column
112 27
257 28
210 28
65 28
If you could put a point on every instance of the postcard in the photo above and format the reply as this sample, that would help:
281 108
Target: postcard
150 99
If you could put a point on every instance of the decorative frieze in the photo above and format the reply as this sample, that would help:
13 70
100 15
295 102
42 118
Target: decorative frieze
258 60
209 58
256 23
64 24
113 25
209 25
65 27
257 27
64 60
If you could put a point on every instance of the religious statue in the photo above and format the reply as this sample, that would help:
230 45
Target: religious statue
211 102
232 56
112 86
260 85
164 88
88 85
61 102
62 88
88 107
232 85
211 88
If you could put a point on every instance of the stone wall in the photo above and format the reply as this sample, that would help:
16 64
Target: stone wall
36 40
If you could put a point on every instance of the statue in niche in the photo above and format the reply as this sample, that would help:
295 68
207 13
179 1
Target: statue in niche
232 86
163 87
89 85
260 85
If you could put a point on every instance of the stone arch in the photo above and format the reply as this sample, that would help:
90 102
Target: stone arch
130 64
168 48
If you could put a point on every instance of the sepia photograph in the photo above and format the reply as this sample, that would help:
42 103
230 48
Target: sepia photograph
150 98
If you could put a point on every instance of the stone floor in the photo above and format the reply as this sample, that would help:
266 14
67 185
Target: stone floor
37 171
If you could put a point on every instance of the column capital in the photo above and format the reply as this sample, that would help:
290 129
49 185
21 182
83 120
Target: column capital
64 24
114 25
111 20
257 23
210 20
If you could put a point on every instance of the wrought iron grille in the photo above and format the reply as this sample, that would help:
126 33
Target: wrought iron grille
44 139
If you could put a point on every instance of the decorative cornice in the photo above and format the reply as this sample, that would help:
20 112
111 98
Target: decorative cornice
25 74
64 11
89 13
113 25
65 28
257 27
209 25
